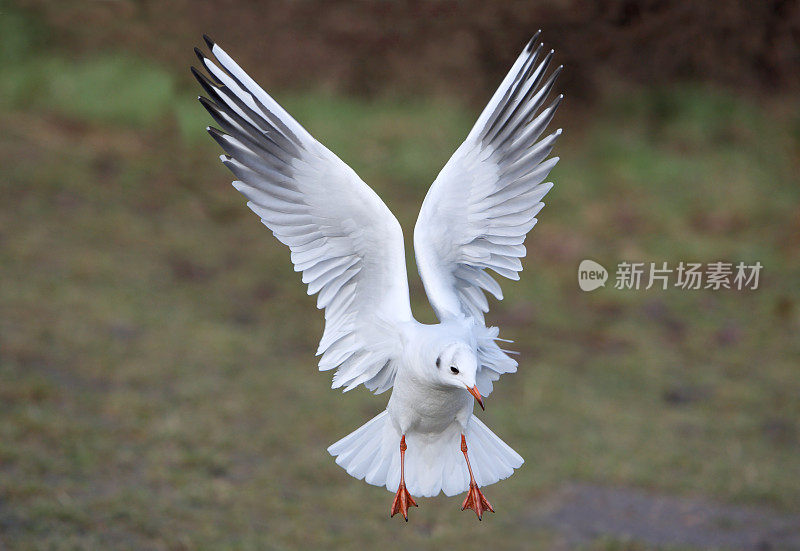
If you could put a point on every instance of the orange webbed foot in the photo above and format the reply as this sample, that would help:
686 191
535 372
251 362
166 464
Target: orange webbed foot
402 501
476 501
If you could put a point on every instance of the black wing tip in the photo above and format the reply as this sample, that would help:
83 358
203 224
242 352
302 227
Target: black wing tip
209 42
205 63
533 39
208 104
219 137
200 55
207 85
535 55
215 132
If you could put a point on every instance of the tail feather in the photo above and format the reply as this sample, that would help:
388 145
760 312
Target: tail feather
359 441
433 462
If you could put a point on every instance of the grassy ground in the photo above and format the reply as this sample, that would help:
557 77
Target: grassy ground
157 381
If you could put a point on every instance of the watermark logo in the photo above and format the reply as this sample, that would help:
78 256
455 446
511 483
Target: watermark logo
591 275
690 276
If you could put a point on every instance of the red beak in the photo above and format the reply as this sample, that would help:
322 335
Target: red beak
478 397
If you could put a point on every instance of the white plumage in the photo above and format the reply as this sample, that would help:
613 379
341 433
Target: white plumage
349 248
432 465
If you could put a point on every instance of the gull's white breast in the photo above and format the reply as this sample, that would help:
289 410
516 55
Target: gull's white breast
423 405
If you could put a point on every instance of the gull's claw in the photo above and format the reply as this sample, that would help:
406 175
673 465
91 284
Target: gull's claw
401 502
476 501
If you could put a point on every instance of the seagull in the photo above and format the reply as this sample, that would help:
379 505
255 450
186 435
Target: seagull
349 248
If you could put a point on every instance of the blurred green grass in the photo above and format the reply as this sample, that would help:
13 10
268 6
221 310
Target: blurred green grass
156 350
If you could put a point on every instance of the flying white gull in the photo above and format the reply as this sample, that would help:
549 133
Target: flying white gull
349 247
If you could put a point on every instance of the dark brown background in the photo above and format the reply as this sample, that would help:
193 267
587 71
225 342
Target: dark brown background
464 47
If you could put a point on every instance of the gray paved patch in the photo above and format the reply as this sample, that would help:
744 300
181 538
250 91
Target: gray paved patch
582 513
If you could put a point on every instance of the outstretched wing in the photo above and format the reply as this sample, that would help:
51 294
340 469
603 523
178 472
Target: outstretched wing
342 237
485 200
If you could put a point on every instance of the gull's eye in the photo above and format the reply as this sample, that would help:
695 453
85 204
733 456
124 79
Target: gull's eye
439 361
454 369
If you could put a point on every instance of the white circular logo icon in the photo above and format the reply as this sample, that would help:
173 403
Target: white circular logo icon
591 275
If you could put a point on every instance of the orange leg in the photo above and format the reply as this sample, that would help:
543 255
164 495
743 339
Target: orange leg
475 500
403 499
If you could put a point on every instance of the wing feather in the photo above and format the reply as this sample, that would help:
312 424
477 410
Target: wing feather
485 200
342 237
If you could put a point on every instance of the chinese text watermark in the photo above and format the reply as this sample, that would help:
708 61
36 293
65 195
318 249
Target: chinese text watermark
662 275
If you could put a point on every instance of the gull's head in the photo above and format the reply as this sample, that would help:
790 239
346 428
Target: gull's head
457 365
